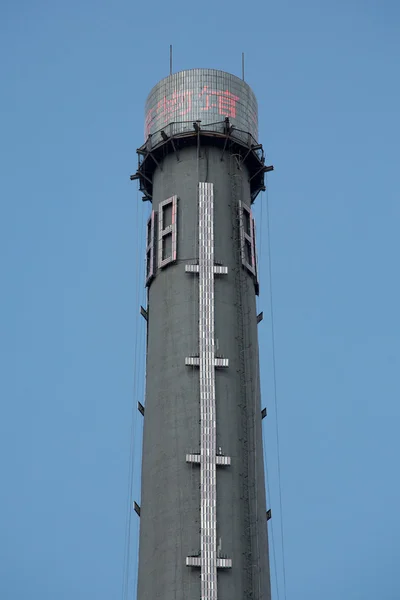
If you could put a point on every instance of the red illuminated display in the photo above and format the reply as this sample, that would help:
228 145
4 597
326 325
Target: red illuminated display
179 104
224 102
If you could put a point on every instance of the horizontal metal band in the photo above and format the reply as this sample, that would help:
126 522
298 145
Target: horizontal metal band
191 268
194 361
193 458
219 460
221 362
224 563
195 561
218 270
223 460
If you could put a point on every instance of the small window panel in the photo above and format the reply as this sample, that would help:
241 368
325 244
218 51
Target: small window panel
167 231
248 241
151 248
256 283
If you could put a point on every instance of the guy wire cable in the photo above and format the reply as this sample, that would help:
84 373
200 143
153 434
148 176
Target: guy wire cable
264 437
138 440
275 391
133 424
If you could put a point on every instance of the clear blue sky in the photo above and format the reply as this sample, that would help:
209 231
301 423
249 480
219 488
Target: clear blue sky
74 77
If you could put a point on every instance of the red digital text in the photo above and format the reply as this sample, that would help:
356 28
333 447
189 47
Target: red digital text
180 104
223 101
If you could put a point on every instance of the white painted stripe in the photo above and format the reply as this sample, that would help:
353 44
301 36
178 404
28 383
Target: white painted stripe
208 471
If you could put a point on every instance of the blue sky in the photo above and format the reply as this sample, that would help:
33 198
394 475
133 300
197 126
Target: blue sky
75 76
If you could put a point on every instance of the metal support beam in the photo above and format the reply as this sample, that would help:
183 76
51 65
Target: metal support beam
175 149
263 169
155 160
141 174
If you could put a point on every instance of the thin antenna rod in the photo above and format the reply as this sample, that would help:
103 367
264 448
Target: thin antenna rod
243 66
170 59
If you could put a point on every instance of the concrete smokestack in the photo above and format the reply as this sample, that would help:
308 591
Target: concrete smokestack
203 522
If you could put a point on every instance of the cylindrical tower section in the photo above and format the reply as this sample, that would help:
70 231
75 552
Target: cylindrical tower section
204 95
203 523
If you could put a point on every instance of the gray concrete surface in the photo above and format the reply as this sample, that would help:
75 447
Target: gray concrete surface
170 503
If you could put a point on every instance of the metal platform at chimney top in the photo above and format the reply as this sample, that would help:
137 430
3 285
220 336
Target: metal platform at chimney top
222 134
